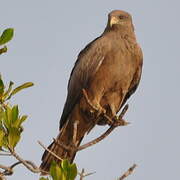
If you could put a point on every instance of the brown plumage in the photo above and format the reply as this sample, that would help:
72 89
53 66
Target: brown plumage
109 69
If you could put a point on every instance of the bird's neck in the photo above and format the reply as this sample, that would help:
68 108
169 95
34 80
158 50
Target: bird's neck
123 32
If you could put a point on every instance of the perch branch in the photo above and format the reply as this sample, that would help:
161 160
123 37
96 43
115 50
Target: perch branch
120 122
128 172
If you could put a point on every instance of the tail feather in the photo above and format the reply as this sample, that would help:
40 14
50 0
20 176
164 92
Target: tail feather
54 147
66 137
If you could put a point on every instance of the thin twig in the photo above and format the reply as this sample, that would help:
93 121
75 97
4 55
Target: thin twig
9 170
82 174
42 145
128 172
5 154
95 141
88 174
28 164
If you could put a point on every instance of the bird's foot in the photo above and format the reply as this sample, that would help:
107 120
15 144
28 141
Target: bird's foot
118 120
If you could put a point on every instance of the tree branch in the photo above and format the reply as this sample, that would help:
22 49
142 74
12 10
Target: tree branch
28 164
118 122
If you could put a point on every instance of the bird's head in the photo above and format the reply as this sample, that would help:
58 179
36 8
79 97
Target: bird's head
118 19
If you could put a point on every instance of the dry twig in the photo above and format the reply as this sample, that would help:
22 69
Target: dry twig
28 164
128 172
41 144
5 154
82 174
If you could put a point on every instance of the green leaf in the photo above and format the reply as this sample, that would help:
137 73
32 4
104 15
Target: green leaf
19 88
8 117
65 165
23 118
8 91
1 87
13 137
6 36
72 172
2 134
19 121
1 115
15 113
43 178
55 171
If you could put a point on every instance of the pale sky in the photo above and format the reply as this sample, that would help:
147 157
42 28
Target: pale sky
48 38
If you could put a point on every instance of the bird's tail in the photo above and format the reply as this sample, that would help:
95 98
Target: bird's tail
67 138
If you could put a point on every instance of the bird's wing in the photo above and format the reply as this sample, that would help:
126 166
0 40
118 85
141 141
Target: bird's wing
87 64
136 79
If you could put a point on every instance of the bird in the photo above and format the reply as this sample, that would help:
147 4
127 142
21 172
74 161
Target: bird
109 70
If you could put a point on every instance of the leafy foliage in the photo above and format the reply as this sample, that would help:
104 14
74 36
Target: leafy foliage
6 36
6 94
63 171
11 122
10 119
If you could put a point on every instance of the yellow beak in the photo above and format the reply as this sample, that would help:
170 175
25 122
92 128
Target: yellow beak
113 21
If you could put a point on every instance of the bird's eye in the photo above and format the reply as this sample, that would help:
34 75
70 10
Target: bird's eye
122 17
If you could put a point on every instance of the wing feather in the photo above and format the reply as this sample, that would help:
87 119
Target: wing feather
88 62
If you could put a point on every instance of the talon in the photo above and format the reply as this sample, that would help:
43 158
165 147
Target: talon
120 122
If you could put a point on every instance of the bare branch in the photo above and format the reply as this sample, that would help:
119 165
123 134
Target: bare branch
5 154
100 138
128 172
82 174
28 164
41 144
118 122
9 170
